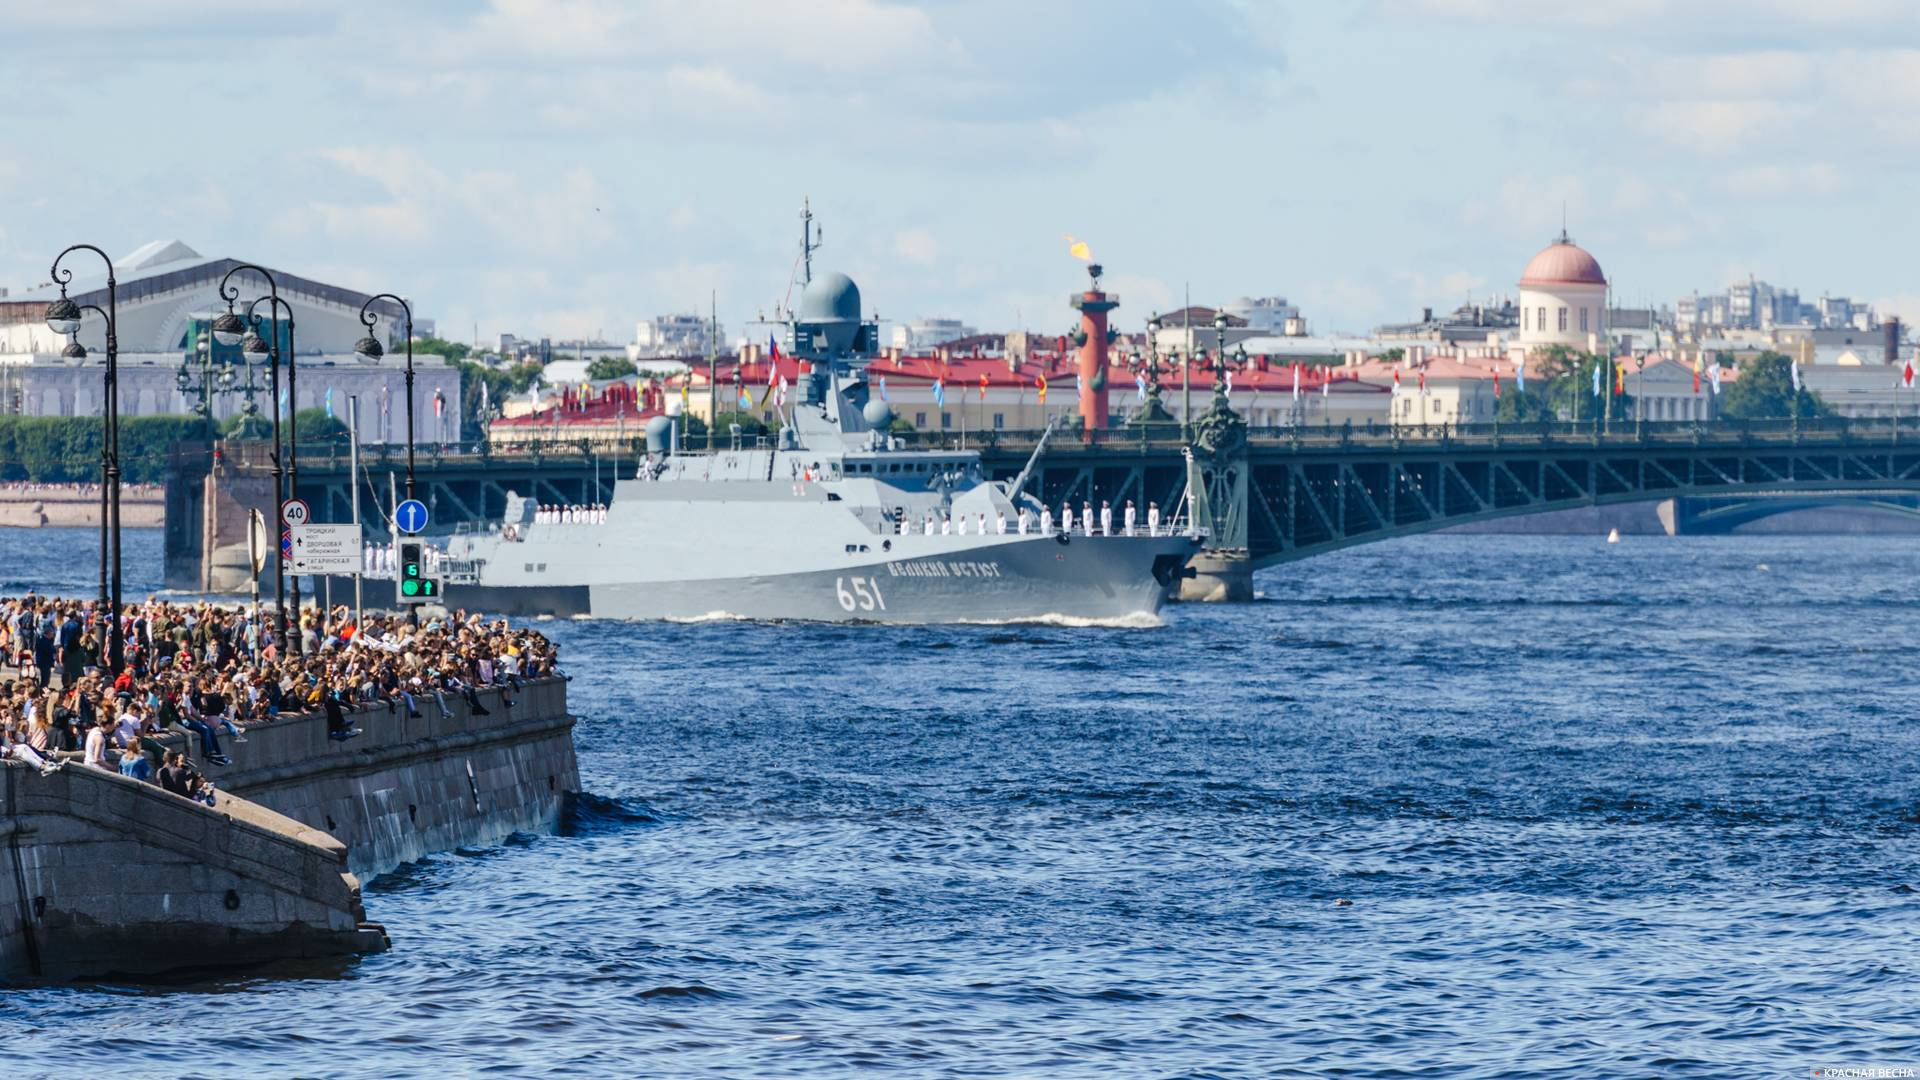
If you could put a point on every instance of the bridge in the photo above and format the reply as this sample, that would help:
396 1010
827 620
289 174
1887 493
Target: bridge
1267 495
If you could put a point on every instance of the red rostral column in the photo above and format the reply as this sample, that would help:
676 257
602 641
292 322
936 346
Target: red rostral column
1093 306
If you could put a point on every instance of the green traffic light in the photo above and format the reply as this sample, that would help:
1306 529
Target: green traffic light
410 587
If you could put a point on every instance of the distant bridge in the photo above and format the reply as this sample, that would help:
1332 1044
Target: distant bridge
1272 495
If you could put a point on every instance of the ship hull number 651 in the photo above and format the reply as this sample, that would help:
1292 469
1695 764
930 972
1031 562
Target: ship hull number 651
864 594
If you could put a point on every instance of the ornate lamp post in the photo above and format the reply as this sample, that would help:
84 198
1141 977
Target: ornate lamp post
1220 359
63 317
231 329
370 350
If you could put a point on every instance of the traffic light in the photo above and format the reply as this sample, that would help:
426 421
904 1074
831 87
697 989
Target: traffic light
416 586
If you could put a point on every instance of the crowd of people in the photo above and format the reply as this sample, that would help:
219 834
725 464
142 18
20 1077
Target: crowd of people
214 671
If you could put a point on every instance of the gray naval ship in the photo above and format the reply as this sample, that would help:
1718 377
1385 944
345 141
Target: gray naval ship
834 522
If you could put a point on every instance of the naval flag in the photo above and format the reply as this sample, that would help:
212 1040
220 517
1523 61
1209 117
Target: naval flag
1520 374
1906 377
1040 382
1139 387
883 388
1296 382
940 391
1596 380
1793 370
1713 377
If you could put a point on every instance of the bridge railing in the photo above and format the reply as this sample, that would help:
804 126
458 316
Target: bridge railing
1160 439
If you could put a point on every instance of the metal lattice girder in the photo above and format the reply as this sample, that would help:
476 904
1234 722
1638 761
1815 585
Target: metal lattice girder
1288 493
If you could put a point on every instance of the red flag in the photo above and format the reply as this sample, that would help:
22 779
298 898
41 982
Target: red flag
1396 378
983 386
1496 384
1907 377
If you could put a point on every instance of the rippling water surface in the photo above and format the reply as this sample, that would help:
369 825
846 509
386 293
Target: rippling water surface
1645 809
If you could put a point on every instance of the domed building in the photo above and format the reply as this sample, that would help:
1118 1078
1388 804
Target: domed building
1563 297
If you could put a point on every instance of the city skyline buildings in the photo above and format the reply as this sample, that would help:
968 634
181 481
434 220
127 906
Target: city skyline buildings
511 181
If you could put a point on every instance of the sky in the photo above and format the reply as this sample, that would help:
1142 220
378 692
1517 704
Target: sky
567 167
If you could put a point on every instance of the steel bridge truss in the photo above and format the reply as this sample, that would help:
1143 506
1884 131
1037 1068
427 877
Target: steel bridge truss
1304 503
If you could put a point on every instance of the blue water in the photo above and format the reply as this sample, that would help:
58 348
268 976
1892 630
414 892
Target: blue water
1644 809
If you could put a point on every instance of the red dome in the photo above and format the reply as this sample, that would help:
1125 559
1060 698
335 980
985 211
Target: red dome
1562 263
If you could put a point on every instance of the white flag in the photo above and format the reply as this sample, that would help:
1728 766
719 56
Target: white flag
1713 375
1794 370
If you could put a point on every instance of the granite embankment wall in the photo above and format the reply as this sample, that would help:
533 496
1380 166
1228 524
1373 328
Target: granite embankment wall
106 874
25 508
411 786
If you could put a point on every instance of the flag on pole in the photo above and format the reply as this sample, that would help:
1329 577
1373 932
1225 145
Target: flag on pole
1496 384
1793 369
327 401
746 398
1423 382
1596 380
940 391
439 403
1040 381
1713 376
1326 380
1906 377
1520 374
1619 376
1396 380
1229 382
483 397
1699 359
1296 382
983 386
883 388
773 358
686 390
1139 387
781 391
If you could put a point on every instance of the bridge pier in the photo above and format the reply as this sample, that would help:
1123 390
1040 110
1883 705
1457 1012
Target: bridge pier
1219 576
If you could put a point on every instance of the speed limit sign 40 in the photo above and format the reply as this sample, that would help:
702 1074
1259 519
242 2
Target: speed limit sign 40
294 512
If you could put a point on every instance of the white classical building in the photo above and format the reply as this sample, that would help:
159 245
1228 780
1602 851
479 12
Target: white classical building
167 296
1563 298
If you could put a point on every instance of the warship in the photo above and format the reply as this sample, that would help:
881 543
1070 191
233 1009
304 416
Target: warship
833 520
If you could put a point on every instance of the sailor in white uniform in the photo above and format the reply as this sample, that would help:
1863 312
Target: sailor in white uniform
1086 517
1046 521
1153 519
1023 521
1066 517
946 526
983 523
1001 522
1106 518
1129 517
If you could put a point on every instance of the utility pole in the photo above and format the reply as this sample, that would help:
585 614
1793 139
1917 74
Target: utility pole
713 346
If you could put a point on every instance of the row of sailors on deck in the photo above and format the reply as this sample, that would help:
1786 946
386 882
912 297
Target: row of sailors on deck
379 558
947 525
571 514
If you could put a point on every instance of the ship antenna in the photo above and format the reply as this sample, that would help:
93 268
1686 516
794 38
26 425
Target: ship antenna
809 240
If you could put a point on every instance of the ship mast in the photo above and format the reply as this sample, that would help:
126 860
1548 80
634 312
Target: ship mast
809 240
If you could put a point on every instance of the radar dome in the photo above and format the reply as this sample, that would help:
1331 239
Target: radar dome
657 429
831 297
879 414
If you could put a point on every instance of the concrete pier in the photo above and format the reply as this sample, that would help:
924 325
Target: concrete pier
411 786
1219 576
108 875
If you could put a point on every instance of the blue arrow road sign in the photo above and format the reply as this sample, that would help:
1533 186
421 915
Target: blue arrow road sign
410 516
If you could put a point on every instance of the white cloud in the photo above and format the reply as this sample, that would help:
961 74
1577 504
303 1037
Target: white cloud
916 246
1793 182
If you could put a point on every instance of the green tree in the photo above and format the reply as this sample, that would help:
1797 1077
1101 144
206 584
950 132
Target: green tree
1765 391
502 383
607 368
315 426
452 350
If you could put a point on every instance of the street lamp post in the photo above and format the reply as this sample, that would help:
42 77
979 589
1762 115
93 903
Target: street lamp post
276 306
63 317
230 329
370 350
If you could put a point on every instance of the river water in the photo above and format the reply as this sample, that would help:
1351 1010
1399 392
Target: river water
1640 809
